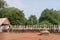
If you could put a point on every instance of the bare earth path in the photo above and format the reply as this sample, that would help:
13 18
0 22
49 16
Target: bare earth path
28 36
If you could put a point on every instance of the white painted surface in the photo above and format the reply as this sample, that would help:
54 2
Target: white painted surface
59 29
5 27
0 29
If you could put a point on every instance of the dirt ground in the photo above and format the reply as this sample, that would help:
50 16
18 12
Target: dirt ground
28 36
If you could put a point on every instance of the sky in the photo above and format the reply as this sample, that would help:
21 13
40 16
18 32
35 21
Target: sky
34 7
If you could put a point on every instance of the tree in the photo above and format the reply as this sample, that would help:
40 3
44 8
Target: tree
51 16
32 20
15 16
45 22
3 4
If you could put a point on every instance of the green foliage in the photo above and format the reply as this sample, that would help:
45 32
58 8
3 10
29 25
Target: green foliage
15 16
45 22
51 15
32 20
2 4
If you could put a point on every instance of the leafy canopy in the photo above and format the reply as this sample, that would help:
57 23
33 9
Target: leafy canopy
51 16
32 20
15 16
